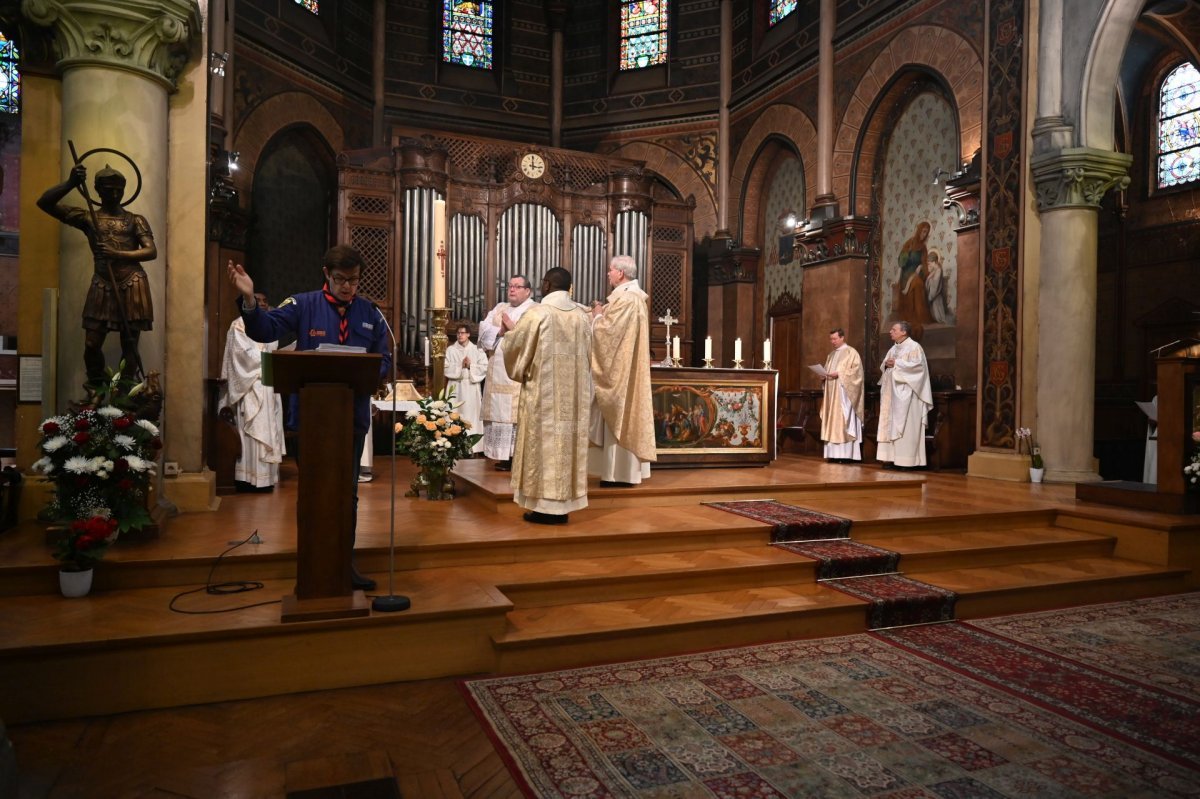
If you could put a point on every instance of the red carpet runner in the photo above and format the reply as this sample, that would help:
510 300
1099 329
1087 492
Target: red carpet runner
788 522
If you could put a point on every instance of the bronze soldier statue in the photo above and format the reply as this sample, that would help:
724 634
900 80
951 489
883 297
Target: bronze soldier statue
119 297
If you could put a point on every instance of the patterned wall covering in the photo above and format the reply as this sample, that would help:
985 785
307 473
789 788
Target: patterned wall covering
786 196
1002 210
925 138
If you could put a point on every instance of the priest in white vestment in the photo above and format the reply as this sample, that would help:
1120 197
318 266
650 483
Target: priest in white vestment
842 405
465 368
549 354
501 395
622 417
257 410
905 398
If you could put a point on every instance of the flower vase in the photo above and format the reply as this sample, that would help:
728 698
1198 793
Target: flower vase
75 583
1035 475
436 482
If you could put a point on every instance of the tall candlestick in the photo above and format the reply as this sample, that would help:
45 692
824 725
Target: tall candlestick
439 253
708 348
766 350
675 348
737 349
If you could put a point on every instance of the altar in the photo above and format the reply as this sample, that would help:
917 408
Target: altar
714 417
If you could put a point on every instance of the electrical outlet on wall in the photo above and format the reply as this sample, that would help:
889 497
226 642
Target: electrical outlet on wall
171 469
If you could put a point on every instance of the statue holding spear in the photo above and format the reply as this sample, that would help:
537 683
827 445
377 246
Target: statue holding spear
119 296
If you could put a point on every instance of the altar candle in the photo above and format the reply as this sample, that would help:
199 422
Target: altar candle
766 350
675 348
708 348
427 350
439 246
737 349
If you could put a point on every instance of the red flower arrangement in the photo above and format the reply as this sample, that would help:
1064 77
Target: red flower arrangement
85 542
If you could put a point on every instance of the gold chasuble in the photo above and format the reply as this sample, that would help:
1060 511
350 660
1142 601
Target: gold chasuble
621 369
848 365
548 353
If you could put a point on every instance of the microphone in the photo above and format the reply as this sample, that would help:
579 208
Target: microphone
392 602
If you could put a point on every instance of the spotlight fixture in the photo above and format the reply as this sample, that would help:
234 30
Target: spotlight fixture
232 161
217 62
790 222
938 173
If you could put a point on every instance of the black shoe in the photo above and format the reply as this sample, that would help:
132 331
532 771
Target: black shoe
503 466
360 582
545 518
615 484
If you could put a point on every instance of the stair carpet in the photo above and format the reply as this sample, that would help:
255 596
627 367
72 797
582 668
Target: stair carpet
570 612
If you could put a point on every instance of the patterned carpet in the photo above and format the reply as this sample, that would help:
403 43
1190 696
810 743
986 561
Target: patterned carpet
895 600
953 710
789 523
845 558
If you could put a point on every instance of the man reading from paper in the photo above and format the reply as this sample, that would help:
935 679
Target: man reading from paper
501 395
622 418
548 353
842 406
904 401
465 368
256 410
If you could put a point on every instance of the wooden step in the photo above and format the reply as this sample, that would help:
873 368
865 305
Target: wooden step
970 549
654 574
590 632
1021 587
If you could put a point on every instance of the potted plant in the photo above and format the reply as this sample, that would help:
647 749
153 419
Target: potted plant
1027 443
79 550
101 456
434 437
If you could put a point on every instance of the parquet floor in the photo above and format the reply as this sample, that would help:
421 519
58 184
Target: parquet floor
638 573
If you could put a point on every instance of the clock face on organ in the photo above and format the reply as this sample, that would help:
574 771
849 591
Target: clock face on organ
532 165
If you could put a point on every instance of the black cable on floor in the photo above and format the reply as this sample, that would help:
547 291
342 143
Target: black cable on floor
222 589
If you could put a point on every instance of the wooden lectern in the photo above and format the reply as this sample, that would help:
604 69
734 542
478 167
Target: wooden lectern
327 384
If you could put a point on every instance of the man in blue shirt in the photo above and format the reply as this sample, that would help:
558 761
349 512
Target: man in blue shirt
332 315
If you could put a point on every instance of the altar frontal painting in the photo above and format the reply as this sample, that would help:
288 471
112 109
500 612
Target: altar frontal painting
704 417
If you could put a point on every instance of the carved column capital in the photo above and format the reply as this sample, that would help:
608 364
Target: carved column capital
1078 177
148 37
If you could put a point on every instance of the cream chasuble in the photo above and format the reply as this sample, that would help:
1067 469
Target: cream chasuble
500 395
548 354
466 380
904 402
842 405
257 410
622 427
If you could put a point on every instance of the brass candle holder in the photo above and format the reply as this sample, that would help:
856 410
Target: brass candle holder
708 363
437 349
737 363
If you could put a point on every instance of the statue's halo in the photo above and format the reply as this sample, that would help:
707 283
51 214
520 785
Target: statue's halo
137 173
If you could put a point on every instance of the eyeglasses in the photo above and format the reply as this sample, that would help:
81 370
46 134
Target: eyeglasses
517 286
339 280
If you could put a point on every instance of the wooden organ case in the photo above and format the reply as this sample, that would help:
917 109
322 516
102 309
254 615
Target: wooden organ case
511 209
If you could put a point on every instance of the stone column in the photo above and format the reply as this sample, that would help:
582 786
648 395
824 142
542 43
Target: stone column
556 17
118 61
1070 184
825 205
724 145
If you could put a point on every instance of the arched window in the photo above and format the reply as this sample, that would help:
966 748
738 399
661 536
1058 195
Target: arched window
311 5
467 33
1179 127
643 33
10 78
781 8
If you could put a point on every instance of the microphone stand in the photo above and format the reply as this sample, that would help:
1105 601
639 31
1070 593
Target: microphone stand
392 602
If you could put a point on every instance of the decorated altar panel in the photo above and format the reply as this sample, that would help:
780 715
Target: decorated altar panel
714 417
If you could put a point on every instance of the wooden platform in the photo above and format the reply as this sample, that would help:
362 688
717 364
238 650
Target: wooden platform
641 572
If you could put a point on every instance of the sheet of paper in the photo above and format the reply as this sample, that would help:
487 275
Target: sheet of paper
1150 409
30 374
819 369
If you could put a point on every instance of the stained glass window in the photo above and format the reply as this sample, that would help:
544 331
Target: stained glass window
643 33
467 33
10 79
781 8
311 5
1179 127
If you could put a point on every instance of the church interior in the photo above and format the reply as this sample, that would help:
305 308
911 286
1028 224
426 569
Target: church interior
772 166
